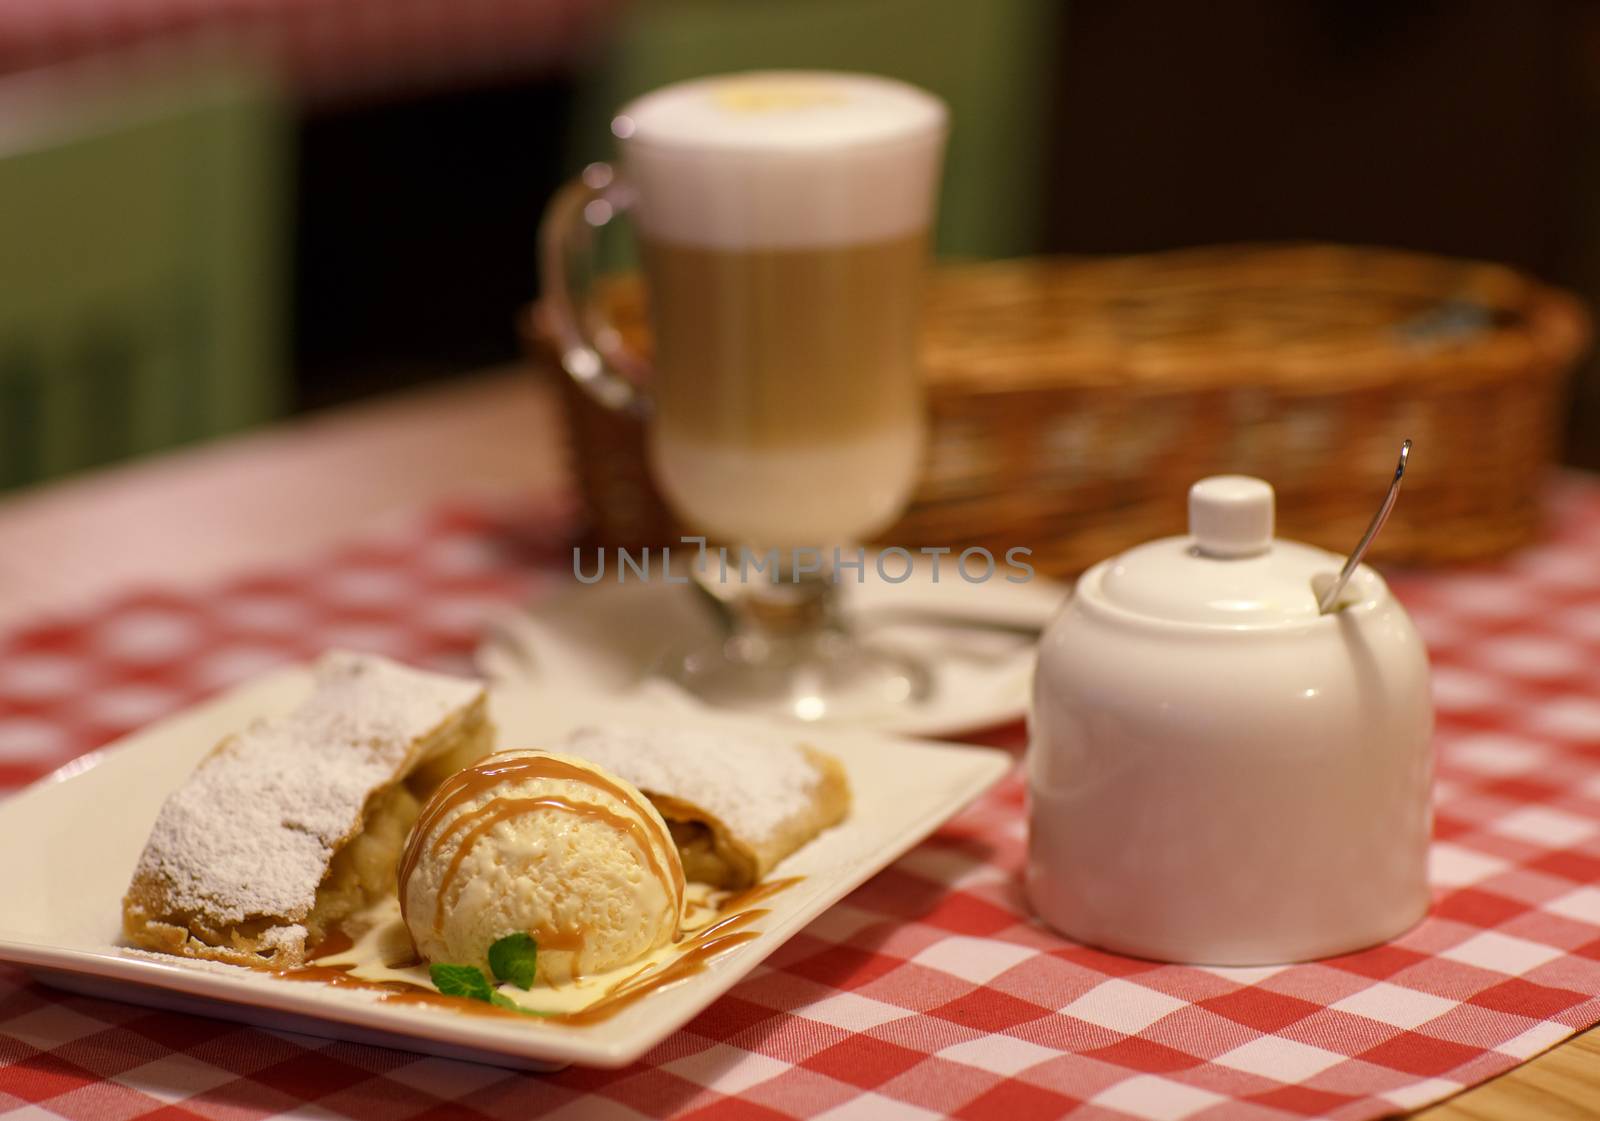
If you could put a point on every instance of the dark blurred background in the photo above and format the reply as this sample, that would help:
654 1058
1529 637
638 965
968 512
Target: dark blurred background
370 177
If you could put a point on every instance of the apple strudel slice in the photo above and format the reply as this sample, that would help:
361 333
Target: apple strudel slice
736 806
297 822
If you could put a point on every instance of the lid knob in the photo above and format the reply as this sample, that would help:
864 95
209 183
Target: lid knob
1231 515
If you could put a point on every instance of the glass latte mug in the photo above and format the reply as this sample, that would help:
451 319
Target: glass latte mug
783 220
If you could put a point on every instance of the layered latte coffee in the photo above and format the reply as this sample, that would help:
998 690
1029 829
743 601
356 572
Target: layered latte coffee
784 222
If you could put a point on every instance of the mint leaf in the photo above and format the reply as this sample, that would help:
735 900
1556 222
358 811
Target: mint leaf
515 958
469 982
462 980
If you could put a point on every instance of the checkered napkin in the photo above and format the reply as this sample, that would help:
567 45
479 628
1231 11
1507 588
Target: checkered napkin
929 991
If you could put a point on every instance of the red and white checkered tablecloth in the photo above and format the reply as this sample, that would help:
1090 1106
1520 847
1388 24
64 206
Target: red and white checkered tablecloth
929 991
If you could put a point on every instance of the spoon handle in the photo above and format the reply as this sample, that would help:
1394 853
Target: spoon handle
1331 596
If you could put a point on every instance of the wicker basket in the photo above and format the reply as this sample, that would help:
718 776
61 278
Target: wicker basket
1073 401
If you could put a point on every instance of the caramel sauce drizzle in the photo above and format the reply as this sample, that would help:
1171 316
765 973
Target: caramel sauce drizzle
754 894
694 954
649 835
693 960
337 941
341 939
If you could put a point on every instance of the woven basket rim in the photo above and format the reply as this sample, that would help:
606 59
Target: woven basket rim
1552 328
1082 446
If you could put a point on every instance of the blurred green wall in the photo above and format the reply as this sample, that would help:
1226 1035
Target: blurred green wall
142 234
989 59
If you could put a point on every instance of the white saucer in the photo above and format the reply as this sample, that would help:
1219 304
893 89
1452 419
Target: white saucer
609 636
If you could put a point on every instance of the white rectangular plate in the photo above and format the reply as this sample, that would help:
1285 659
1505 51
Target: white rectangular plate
72 840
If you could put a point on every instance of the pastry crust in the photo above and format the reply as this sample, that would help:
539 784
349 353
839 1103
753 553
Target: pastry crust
297 822
736 807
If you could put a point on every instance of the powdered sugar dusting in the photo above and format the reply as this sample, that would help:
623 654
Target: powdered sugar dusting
752 785
252 830
281 938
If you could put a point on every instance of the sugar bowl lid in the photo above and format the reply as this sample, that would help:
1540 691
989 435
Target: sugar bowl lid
1229 570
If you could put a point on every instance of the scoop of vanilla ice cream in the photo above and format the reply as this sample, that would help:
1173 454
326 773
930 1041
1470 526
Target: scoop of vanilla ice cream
548 845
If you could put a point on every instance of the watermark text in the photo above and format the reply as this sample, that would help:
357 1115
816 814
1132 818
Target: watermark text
893 565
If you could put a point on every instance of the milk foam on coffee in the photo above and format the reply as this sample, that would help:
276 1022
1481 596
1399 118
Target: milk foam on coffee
783 159
784 219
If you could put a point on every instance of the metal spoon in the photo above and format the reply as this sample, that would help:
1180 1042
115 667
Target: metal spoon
1331 595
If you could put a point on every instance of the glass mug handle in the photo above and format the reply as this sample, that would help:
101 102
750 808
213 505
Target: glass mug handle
589 347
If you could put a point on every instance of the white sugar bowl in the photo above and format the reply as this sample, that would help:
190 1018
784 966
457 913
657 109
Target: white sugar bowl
1218 773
